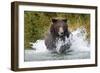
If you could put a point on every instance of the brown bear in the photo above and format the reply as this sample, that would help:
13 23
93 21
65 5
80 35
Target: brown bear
55 40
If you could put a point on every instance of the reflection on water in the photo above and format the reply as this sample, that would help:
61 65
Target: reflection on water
80 49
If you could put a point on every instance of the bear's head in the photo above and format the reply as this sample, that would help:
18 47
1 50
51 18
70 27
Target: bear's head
59 27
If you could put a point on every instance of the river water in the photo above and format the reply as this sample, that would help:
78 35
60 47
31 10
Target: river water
80 49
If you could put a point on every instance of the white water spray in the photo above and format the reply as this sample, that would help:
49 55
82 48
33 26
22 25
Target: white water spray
78 41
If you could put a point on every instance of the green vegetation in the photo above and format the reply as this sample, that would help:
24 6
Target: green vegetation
36 24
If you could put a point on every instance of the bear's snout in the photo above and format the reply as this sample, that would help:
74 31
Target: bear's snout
61 31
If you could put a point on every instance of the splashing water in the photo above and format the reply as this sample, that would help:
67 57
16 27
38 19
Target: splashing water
78 41
80 48
40 46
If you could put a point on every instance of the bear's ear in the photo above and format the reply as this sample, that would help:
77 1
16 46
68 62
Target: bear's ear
65 20
54 20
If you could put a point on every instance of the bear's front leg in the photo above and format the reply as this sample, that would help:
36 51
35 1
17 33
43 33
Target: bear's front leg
64 47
